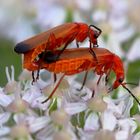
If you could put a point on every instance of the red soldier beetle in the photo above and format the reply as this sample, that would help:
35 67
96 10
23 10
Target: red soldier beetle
74 61
58 38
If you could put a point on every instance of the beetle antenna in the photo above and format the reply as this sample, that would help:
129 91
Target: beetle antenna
135 84
131 94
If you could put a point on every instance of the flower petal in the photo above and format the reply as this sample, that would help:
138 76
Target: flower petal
73 108
92 122
4 131
32 94
4 117
37 123
5 100
108 120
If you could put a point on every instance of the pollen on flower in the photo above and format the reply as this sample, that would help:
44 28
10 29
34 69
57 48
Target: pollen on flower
62 135
104 134
12 87
18 105
96 104
25 75
64 85
60 117
47 90
19 131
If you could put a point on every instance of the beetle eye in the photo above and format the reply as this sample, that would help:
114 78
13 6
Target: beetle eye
96 34
120 80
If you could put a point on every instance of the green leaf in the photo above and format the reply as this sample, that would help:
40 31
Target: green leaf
134 110
138 127
78 120
81 119
128 44
74 120
53 106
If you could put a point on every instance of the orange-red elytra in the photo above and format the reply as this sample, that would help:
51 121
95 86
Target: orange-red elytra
74 61
58 38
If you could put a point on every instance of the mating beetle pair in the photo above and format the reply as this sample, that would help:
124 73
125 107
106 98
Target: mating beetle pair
48 51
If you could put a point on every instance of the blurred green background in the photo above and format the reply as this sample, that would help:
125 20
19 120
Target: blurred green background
7 58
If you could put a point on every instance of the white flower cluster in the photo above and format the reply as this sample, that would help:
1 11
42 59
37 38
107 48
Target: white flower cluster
70 114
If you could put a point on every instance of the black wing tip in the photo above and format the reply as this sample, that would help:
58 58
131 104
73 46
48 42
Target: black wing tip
22 48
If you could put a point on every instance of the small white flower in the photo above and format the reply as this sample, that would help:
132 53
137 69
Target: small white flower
36 124
32 94
121 106
92 122
125 128
116 109
60 117
19 131
104 134
97 104
108 120
74 108
137 136
4 117
46 133
5 100
4 131
62 135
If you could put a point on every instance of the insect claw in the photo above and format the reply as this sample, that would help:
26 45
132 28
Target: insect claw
32 82
79 89
46 100
93 93
110 89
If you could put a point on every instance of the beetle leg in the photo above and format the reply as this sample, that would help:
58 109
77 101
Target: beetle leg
107 77
38 71
52 93
54 77
67 43
33 77
77 44
84 81
93 53
107 70
93 93
99 79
